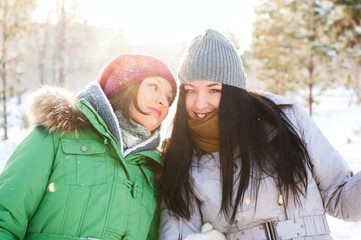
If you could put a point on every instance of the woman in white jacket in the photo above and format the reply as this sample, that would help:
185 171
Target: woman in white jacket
254 165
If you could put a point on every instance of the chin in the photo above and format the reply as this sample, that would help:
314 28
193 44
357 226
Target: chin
152 127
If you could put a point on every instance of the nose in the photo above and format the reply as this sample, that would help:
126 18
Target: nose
162 99
201 102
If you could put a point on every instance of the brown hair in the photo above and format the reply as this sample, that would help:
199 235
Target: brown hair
122 100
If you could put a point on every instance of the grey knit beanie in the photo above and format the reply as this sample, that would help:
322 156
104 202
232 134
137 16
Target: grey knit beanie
211 56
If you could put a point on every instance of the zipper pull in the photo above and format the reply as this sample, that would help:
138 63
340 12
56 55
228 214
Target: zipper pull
280 199
281 203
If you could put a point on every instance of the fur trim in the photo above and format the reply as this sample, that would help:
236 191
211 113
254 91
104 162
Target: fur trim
53 107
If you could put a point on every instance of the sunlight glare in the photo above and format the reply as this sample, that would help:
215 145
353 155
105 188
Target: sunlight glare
161 21
43 9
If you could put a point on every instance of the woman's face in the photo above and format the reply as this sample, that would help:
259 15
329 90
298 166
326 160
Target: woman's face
154 97
202 98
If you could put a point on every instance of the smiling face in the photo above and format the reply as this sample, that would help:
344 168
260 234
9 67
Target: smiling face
153 98
202 98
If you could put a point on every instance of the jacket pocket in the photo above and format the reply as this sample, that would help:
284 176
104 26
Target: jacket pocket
84 162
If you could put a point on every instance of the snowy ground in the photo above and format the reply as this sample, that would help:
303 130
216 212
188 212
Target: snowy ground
340 122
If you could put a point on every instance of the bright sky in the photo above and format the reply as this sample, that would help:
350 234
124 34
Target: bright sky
151 21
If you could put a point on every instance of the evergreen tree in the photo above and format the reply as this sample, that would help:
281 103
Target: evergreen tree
348 24
346 28
291 41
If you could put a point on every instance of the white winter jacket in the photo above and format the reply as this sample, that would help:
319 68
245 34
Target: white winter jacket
332 189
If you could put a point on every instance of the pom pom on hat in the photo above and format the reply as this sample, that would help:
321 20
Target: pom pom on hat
126 69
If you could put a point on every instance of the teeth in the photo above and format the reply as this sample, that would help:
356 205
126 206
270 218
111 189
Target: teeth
201 115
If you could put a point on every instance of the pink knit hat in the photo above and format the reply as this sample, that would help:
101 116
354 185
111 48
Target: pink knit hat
126 69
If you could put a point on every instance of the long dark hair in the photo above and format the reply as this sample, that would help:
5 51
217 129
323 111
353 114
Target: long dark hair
268 145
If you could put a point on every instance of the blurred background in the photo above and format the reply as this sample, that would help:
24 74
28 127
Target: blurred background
309 50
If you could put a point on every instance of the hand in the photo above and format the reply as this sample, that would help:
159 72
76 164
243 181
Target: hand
208 233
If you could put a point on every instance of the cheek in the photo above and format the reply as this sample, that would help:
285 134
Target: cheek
165 113
143 98
216 101
133 111
143 103
189 102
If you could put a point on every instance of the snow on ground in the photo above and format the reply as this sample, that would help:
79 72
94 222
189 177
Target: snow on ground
16 131
339 121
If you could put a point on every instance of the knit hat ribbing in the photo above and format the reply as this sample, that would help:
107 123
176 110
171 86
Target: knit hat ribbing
126 69
211 56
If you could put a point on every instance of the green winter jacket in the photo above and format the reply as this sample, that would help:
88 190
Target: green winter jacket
78 185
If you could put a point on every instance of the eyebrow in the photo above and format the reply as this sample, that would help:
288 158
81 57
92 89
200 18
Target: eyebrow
209 85
214 84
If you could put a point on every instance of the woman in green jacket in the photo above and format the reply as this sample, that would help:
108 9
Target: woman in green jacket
88 169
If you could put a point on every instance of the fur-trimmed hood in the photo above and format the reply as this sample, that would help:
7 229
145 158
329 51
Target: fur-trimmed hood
54 108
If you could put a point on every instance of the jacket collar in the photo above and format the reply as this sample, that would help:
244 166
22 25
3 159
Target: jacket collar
278 100
95 96
54 108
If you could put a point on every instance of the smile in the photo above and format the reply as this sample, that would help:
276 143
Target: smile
200 116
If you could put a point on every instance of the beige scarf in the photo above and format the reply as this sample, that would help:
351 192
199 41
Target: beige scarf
205 132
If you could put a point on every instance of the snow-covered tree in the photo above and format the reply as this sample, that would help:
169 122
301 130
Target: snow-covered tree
15 20
291 40
346 28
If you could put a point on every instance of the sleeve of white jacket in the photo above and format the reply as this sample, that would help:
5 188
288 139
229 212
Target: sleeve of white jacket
339 188
174 228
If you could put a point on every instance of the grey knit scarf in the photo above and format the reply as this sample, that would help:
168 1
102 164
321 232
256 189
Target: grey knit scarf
132 132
